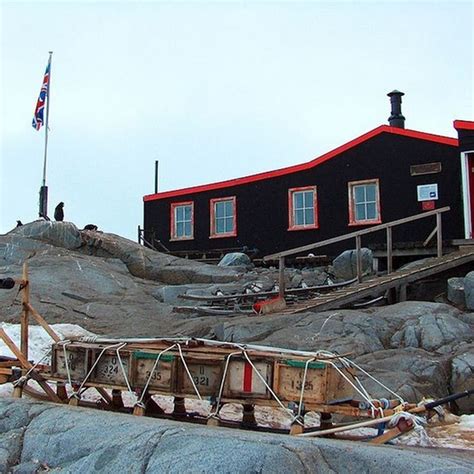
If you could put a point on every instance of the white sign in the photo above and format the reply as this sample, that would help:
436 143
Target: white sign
427 192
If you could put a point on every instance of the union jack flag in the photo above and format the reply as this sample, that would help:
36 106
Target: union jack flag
39 110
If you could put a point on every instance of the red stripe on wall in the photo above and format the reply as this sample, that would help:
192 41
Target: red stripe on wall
248 372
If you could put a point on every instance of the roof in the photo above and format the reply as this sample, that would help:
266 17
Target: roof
304 166
463 125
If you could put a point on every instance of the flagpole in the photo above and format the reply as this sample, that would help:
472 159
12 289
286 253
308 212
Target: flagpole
43 205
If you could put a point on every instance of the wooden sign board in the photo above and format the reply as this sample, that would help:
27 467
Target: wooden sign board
425 168
108 369
160 377
242 380
289 382
206 376
73 359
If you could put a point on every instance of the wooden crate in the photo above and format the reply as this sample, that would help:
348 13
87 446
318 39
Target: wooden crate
206 375
108 370
243 382
163 377
77 362
323 382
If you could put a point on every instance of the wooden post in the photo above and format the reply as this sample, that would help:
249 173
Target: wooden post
248 415
42 322
439 235
281 277
389 250
139 235
25 314
179 407
359 258
402 293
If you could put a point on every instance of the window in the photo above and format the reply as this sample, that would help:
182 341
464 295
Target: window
302 208
223 217
364 202
182 220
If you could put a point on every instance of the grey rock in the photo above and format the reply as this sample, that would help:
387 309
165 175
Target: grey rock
345 265
462 376
59 234
469 290
69 440
234 259
170 294
456 291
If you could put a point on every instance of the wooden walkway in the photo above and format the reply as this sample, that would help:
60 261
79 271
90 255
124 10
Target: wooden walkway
377 285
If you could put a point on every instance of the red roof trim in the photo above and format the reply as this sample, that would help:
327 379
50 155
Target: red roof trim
463 125
304 166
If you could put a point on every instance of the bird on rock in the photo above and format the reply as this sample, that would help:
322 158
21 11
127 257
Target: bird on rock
59 212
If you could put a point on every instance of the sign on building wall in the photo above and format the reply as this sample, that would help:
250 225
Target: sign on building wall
427 192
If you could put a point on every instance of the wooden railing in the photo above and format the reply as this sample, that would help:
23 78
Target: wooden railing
148 238
358 239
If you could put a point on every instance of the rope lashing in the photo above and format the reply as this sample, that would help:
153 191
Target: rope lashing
215 414
303 385
188 372
147 383
24 378
78 392
119 357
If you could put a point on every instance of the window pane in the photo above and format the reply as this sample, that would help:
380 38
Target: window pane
179 229
360 212
187 229
308 199
220 226
229 208
308 216
179 213
219 209
187 213
371 211
299 217
229 224
359 194
298 200
370 192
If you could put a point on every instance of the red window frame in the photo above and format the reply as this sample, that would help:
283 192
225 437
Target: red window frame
291 215
174 205
352 219
212 202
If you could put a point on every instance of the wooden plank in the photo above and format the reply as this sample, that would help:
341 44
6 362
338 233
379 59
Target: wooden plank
281 277
378 286
42 322
25 313
306 248
389 250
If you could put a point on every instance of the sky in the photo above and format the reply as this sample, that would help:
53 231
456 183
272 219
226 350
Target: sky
212 90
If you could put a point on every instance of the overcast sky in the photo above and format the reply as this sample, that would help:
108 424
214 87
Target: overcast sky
213 90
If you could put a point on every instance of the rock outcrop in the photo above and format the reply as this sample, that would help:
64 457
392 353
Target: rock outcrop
40 437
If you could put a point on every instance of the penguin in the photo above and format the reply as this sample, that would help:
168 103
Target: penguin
59 212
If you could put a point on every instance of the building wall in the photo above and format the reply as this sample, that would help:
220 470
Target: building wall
262 206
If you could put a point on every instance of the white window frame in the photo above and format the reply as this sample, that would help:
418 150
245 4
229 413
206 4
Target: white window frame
292 192
352 202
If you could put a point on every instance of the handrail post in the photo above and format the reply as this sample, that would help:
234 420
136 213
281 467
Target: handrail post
281 277
389 250
139 235
439 235
359 257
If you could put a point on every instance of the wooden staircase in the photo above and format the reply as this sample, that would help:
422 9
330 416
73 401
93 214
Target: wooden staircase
376 286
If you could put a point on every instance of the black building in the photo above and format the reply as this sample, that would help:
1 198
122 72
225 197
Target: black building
386 174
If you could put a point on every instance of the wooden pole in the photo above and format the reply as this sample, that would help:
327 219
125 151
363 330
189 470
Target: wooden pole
42 322
25 314
389 250
439 235
359 257
281 277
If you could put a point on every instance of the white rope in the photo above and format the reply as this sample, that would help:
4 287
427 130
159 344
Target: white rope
77 393
188 372
123 368
377 381
155 365
221 389
24 378
300 406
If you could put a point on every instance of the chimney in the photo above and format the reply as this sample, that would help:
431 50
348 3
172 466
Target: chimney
396 118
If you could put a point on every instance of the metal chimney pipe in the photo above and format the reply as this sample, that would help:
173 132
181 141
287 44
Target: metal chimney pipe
396 118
